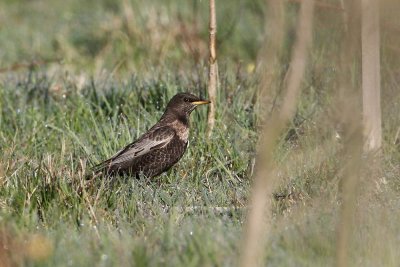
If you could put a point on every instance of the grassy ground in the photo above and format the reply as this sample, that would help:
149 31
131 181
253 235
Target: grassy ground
118 63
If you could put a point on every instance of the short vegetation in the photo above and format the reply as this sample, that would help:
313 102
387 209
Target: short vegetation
81 79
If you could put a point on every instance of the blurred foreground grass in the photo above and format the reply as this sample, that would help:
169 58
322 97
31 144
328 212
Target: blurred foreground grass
120 62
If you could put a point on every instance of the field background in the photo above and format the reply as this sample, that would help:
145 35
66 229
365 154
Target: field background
81 79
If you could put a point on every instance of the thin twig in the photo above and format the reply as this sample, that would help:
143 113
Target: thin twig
30 65
213 70
205 209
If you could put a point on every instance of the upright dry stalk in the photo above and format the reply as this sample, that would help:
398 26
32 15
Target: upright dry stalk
213 69
351 164
344 15
351 170
349 108
258 219
371 78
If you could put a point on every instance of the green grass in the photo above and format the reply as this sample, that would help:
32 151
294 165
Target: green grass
49 140
57 120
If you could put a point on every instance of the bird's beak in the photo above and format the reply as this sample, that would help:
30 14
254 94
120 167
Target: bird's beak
201 102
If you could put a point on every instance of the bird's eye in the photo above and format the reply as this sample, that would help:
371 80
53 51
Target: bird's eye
186 99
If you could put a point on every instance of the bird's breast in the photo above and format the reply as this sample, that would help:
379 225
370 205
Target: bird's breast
182 130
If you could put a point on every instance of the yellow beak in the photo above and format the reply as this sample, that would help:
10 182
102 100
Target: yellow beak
201 102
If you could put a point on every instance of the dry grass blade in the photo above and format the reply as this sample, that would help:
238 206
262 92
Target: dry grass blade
350 117
257 223
371 78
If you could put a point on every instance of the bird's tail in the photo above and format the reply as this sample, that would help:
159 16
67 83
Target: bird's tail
106 167
98 169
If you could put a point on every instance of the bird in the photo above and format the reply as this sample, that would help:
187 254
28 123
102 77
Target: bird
161 147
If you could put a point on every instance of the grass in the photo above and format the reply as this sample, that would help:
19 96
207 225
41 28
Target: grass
116 75
54 139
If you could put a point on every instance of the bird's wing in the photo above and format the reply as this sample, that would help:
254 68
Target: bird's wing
156 138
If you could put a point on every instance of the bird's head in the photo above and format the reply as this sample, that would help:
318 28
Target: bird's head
184 103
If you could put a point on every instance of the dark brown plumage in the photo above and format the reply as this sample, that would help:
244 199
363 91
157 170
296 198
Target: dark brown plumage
161 146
